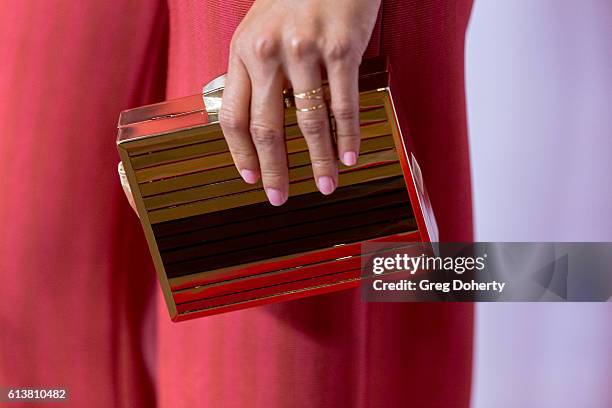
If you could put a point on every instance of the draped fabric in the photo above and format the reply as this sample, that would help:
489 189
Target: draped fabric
77 284
77 304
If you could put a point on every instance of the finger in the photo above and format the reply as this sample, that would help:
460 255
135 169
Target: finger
234 120
343 80
267 132
313 120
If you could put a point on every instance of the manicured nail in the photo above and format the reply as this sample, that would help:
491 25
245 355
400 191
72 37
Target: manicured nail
249 176
275 196
349 158
326 185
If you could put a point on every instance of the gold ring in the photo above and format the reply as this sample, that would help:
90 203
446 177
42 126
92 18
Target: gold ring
312 94
311 108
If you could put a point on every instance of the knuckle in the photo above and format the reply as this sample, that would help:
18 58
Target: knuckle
240 40
349 137
338 48
274 176
300 46
313 126
345 112
264 134
265 47
231 121
241 155
323 162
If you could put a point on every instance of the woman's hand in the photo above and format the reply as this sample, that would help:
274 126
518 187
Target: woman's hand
282 41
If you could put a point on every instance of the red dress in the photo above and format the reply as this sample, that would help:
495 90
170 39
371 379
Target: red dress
72 254
77 296
334 350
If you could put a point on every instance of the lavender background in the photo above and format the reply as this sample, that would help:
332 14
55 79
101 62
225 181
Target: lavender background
539 86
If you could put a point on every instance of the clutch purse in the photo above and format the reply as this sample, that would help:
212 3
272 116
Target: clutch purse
218 245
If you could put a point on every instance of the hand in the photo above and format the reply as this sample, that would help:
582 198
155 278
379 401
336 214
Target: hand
291 41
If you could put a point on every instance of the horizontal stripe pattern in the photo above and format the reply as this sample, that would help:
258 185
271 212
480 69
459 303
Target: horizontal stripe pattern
205 218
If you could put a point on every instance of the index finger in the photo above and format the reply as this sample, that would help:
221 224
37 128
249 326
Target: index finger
234 120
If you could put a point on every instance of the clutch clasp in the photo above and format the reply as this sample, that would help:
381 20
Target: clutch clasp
212 94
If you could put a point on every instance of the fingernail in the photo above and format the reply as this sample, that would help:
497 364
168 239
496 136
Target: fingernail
275 196
349 158
249 176
326 185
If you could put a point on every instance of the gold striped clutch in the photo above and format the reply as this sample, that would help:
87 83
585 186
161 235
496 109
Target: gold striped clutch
218 245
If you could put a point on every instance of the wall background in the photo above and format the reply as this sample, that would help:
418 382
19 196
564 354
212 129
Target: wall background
539 87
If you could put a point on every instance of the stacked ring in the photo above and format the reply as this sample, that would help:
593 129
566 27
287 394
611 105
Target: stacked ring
312 94
311 108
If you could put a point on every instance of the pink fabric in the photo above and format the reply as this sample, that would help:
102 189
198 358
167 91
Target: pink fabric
77 287
77 293
334 350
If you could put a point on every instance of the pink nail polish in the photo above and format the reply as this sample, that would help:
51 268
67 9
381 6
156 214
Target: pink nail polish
249 176
326 185
275 196
349 158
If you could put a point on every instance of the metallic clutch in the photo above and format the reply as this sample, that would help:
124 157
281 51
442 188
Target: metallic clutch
216 242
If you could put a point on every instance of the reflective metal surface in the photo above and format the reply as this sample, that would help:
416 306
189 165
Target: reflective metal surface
216 242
